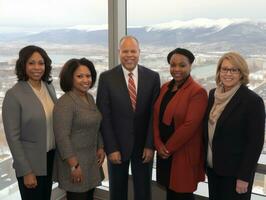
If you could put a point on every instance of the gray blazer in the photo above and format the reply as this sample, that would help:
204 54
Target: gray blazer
25 128
76 129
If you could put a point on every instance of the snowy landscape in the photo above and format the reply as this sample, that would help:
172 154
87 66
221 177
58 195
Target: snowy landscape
208 39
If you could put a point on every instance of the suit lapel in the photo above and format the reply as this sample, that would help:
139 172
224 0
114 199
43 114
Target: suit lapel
121 85
141 83
51 92
36 103
174 103
30 92
206 117
210 104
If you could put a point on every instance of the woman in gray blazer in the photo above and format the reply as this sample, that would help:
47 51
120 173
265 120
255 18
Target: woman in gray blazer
27 118
76 125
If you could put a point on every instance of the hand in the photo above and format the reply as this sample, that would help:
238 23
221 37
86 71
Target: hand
147 155
241 186
115 157
163 152
77 175
100 155
30 180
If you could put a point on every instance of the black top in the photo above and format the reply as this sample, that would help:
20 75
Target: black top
164 165
165 130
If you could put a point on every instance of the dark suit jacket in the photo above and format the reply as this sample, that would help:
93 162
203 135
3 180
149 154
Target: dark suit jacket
239 134
122 128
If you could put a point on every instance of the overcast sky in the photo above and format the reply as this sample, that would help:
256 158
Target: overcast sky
158 11
140 12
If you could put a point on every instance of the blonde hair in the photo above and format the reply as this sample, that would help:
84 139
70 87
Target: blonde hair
236 60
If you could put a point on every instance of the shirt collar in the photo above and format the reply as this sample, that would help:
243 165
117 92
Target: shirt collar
134 72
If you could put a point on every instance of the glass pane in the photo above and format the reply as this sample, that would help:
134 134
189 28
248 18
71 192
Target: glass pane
65 29
208 29
259 186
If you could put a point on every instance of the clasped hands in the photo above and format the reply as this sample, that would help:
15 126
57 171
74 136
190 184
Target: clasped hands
163 152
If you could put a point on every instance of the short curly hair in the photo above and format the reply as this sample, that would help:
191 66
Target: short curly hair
24 55
66 74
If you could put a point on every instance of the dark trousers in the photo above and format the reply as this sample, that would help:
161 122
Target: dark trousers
80 195
172 195
44 183
118 179
224 187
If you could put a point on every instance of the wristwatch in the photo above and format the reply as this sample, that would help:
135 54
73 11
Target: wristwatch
73 168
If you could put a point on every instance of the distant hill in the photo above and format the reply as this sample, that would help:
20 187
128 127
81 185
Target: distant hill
214 34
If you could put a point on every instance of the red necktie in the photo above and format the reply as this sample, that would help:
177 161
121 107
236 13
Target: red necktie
132 90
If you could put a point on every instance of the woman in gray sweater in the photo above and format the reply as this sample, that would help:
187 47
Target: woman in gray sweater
80 153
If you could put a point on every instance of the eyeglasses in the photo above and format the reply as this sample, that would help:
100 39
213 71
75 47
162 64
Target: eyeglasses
224 70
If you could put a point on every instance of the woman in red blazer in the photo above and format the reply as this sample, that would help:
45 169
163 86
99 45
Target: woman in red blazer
178 128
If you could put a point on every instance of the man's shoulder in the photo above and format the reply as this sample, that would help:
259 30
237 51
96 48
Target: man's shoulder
147 70
111 71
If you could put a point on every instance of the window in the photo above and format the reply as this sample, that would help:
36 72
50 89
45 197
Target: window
65 29
208 29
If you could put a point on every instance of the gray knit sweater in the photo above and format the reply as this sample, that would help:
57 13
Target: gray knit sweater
76 129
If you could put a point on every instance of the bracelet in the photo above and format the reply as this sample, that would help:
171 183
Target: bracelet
73 168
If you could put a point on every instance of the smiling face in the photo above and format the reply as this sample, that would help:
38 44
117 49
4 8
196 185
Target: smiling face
82 80
129 53
180 67
229 75
35 67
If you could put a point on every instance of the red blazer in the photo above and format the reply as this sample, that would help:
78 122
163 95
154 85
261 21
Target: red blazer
187 109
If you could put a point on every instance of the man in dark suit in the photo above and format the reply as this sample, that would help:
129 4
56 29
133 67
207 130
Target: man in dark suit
126 94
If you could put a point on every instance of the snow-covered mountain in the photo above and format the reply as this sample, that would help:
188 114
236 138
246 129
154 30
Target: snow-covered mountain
217 24
236 33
